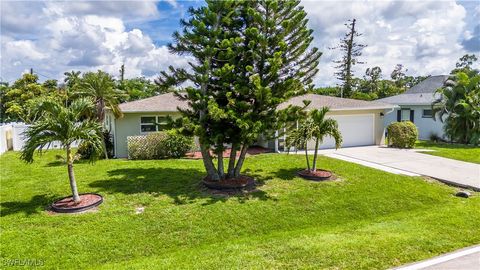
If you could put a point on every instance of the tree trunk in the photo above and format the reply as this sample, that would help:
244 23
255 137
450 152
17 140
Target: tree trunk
71 175
100 118
306 157
231 161
241 158
220 169
208 163
314 165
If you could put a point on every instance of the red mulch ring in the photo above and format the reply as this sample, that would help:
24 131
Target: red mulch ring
255 150
317 175
67 205
237 183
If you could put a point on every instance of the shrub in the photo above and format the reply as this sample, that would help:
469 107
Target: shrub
435 138
85 150
159 145
176 145
402 134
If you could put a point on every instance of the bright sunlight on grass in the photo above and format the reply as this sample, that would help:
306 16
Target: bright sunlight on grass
453 151
367 219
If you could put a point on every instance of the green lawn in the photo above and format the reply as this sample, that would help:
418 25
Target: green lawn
368 219
453 151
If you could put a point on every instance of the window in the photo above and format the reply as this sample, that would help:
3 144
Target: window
153 123
427 113
148 124
405 115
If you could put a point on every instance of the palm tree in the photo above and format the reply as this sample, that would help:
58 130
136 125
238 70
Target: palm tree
65 124
101 87
315 127
458 106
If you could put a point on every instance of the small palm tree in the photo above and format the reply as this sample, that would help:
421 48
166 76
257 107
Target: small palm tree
315 127
323 127
65 124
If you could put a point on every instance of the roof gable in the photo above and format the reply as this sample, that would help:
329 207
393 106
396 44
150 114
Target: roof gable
334 103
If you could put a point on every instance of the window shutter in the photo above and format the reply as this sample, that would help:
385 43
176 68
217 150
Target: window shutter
399 115
412 112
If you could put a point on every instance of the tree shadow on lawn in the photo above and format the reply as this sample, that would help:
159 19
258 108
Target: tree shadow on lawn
182 185
36 204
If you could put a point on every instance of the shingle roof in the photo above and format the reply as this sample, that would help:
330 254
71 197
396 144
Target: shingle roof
429 85
420 94
161 103
335 103
169 103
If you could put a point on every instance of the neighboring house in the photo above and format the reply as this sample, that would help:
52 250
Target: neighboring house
361 122
416 105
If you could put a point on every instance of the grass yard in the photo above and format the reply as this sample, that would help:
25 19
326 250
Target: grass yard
368 219
453 151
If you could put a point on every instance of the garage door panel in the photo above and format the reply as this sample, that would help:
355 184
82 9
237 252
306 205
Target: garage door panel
356 130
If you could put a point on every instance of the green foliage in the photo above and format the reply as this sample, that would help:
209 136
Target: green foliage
364 96
315 126
159 145
65 124
17 99
333 91
402 134
176 145
101 88
87 151
250 56
459 106
138 88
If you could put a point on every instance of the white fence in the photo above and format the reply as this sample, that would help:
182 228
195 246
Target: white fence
12 138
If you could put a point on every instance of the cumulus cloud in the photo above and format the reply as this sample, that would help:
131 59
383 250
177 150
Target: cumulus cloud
61 36
52 37
424 36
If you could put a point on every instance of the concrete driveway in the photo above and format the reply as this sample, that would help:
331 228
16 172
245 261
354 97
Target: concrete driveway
410 162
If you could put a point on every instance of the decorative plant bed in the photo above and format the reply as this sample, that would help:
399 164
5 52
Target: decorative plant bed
231 184
67 205
318 175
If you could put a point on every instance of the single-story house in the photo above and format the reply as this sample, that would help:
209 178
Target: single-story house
361 122
416 105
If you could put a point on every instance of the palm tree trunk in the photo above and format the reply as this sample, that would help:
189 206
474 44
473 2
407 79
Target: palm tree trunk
100 118
306 157
314 165
71 175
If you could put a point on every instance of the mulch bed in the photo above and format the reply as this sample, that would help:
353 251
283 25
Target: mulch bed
255 150
318 175
240 186
67 205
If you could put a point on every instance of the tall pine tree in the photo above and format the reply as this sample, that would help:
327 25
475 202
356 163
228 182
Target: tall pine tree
351 51
250 56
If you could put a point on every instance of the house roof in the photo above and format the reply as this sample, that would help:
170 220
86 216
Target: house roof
335 103
420 94
162 103
169 103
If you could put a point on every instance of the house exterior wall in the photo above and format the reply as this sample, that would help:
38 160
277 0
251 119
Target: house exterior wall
425 126
129 125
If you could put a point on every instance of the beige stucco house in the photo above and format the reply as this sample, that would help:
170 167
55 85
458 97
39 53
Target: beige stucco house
360 122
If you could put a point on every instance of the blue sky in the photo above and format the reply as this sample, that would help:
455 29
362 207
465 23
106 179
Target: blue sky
427 37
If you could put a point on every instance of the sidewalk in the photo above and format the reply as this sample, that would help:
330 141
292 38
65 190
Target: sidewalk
463 259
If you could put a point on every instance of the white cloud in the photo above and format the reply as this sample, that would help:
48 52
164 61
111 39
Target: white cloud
423 35
54 37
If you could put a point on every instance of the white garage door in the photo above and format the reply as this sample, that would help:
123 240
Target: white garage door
357 130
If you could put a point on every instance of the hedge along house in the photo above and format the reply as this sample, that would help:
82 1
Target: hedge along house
415 105
141 117
360 122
